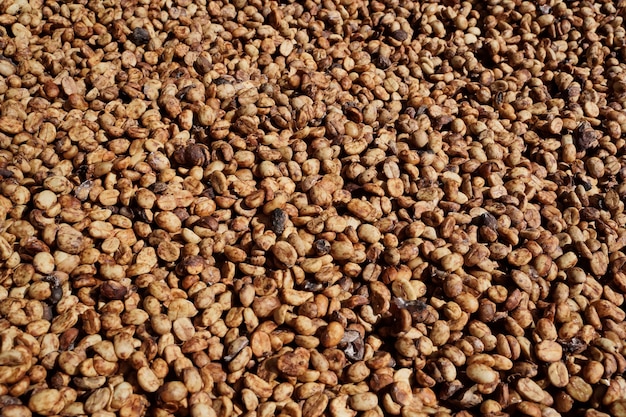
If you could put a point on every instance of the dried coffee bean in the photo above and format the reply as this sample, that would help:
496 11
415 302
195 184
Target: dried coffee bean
139 36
